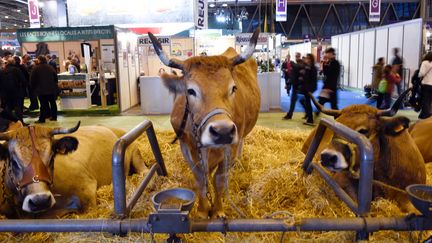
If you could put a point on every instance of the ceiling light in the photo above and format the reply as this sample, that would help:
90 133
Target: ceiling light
26 20
19 10
220 18
224 5
212 5
6 17
15 24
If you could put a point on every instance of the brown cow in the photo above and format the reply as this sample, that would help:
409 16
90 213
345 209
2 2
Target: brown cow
217 103
398 161
421 132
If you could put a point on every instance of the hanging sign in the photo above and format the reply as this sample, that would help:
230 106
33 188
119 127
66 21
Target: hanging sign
33 9
281 10
244 39
201 14
145 40
374 10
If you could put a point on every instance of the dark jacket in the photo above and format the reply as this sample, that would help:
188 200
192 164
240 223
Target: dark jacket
12 82
309 79
297 76
331 70
43 80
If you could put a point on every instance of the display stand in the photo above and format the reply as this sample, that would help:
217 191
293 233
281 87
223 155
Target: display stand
75 91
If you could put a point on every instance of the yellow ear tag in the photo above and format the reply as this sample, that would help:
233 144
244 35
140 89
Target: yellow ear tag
399 128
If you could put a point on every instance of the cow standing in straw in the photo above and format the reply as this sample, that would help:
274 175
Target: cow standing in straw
217 102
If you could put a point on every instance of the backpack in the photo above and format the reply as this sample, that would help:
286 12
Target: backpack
382 86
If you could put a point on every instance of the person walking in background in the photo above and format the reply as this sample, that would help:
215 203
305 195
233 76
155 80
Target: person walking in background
26 76
386 86
44 83
297 78
27 62
426 86
309 85
53 62
397 64
13 86
287 69
377 73
331 71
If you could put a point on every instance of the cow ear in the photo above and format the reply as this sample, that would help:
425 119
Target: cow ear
65 145
394 126
173 82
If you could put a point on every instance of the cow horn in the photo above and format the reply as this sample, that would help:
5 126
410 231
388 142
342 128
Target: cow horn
57 131
321 108
395 107
244 56
173 62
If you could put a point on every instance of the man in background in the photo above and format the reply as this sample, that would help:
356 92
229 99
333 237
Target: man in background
397 65
295 82
331 71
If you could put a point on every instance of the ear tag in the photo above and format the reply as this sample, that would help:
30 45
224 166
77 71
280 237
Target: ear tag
399 128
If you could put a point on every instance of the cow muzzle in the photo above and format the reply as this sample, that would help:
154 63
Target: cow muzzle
333 160
40 200
217 129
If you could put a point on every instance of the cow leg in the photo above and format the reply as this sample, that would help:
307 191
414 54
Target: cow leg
219 184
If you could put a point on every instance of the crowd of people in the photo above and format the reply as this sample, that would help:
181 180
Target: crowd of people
301 77
36 79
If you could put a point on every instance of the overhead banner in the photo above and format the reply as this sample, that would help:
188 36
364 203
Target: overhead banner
281 10
201 14
374 10
244 38
145 40
33 9
65 34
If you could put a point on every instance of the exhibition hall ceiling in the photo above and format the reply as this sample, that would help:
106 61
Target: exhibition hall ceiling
13 14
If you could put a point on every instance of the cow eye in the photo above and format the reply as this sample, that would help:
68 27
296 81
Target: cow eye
363 131
15 166
234 89
191 92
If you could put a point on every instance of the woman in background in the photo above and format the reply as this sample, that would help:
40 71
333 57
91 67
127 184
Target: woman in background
309 85
426 86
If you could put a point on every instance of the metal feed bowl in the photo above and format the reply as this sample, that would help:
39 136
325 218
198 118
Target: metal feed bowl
175 198
421 197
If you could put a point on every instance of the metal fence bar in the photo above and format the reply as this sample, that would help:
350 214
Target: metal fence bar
336 188
141 188
366 160
118 173
409 223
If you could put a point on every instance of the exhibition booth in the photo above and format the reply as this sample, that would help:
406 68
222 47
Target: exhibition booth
357 53
207 42
108 59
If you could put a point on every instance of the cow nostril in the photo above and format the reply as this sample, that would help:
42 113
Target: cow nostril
233 130
213 131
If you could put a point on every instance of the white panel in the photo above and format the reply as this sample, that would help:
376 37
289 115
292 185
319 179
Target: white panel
394 40
345 56
335 42
368 56
381 43
412 45
361 81
353 64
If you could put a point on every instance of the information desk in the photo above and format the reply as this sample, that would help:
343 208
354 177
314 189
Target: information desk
155 98
74 91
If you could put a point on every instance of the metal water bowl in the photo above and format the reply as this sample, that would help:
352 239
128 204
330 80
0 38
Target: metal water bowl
421 197
174 199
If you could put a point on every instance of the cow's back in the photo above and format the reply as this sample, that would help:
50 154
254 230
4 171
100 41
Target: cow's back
421 132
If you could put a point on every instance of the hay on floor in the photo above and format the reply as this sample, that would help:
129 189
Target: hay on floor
268 178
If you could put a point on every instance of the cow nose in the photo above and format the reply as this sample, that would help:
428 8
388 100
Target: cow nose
222 133
328 159
40 202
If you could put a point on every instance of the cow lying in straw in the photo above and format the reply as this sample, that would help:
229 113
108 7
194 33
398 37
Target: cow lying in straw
398 161
421 132
217 103
82 163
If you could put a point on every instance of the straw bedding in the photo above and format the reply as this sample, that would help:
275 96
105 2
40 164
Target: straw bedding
268 178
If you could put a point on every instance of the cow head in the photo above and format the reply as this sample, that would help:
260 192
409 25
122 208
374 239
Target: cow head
29 154
208 83
368 121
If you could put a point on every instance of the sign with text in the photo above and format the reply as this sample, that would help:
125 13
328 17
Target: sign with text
201 14
33 9
374 10
145 41
281 10
65 34
243 39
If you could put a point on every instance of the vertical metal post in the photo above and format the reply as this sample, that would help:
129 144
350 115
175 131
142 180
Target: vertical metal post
319 134
118 178
162 171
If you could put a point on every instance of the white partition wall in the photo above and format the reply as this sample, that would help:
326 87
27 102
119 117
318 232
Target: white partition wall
358 51
302 48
